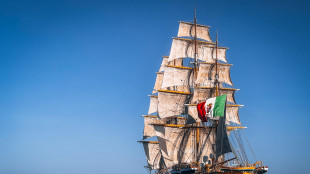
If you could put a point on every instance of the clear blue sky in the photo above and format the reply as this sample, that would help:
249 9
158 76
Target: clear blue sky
75 75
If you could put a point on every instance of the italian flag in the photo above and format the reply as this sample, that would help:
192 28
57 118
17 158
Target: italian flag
212 107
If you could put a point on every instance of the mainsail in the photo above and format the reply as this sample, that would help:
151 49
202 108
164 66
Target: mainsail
173 119
175 145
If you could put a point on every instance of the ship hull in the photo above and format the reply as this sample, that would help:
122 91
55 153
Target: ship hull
222 172
237 169
188 171
238 172
184 171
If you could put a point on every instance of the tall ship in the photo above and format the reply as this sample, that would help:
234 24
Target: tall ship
193 124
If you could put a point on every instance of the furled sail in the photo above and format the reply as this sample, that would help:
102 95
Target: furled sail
158 82
182 48
152 153
175 76
187 29
171 103
175 145
206 74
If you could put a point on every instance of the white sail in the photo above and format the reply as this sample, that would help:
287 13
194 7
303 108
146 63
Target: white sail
186 150
153 154
221 54
148 130
192 111
232 114
176 62
182 88
158 82
153 108
229 92
187 29
174 76
149 120
175 145
201 95
206 74
170 104
182 48
207 140
178 49
163 64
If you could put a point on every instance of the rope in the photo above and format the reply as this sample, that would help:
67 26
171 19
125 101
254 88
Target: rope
238 152
250 146
234 151
240 147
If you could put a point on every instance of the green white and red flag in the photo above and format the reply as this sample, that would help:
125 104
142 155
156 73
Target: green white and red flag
212 108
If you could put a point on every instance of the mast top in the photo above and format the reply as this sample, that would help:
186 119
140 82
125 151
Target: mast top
195 18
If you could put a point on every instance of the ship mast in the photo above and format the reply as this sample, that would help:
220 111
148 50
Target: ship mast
216 68
195 40
195 75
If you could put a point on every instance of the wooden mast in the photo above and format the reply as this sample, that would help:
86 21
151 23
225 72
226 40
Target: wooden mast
216 68
196 69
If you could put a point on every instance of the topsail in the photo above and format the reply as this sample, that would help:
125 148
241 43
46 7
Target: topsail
182 48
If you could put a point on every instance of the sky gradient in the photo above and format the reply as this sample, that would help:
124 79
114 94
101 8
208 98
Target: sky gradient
75 75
